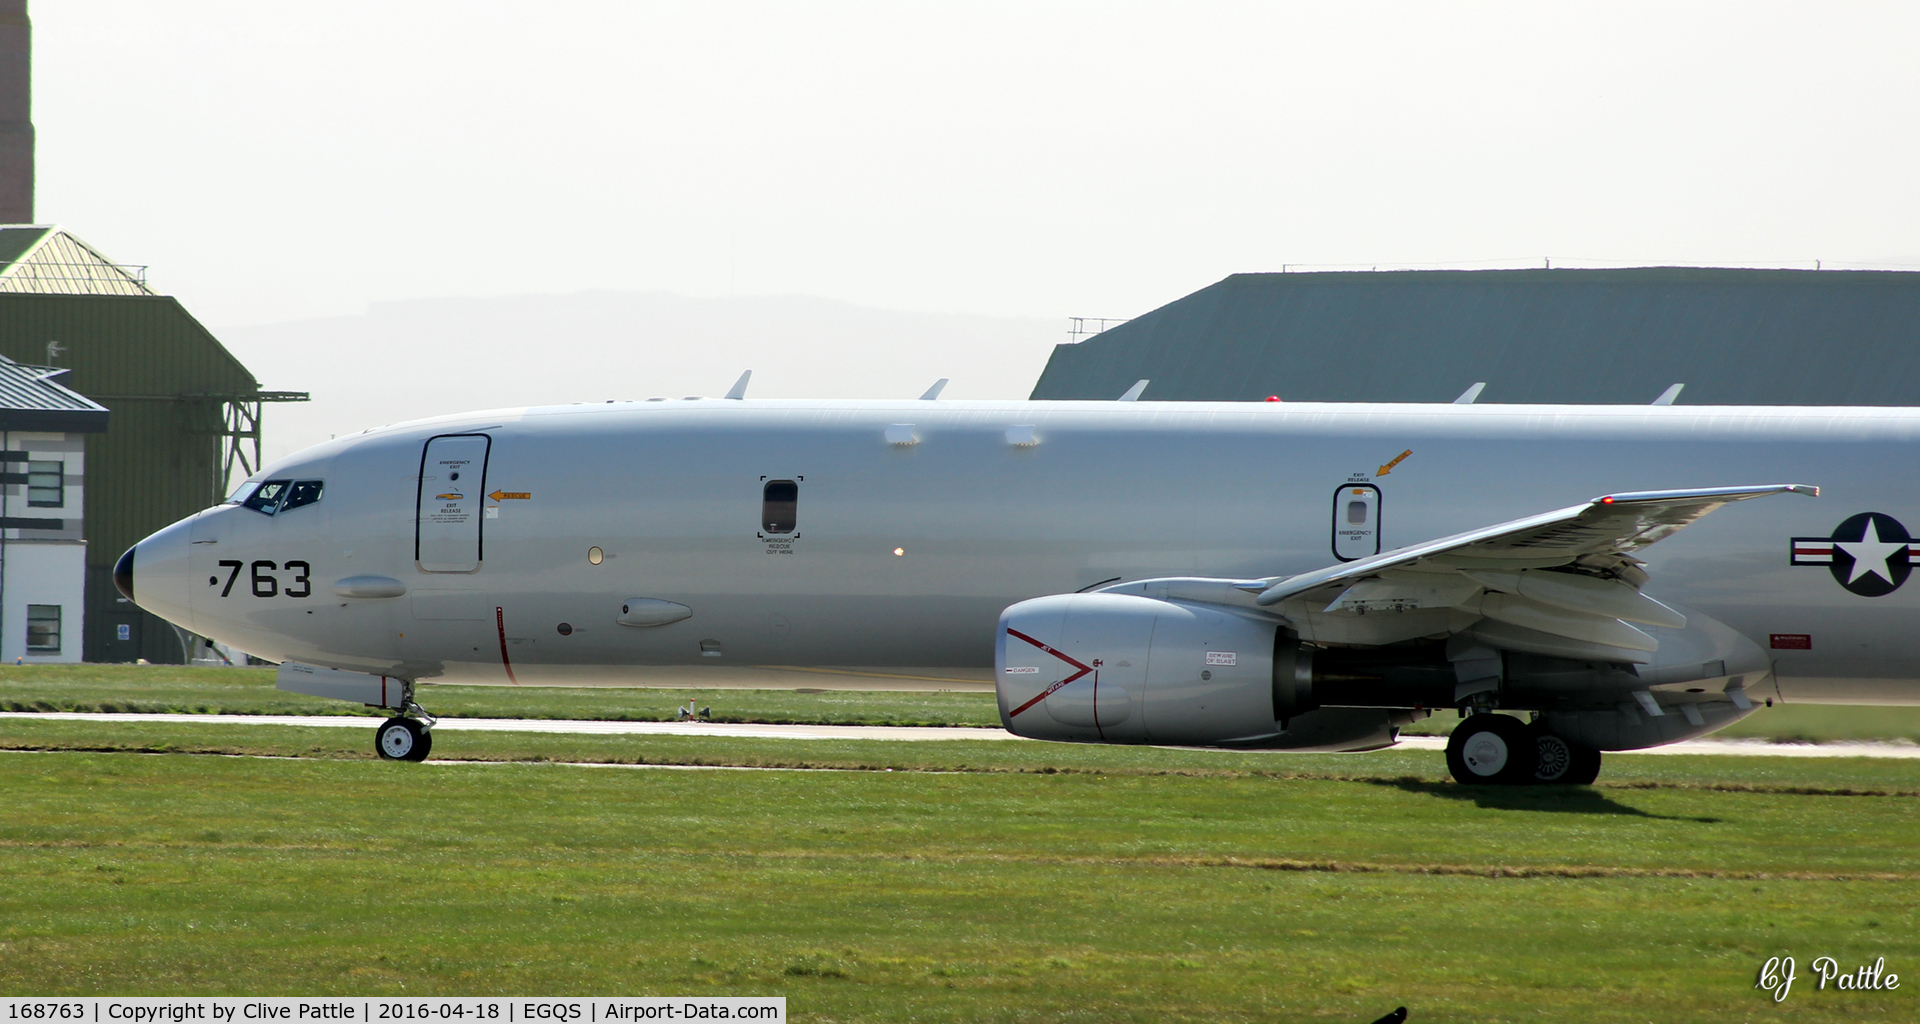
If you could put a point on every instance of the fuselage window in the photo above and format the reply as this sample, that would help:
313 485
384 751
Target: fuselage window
1357 513
779 506
266 498
303 492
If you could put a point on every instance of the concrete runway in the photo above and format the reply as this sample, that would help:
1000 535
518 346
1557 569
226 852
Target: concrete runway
1741 748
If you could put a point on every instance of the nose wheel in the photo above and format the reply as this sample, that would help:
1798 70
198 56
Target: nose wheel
403 739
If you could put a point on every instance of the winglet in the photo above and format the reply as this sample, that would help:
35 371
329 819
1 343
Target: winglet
934 391
1667 396
1471 395
1133 393
739 389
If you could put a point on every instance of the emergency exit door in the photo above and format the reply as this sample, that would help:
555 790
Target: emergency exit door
1356 522
453 479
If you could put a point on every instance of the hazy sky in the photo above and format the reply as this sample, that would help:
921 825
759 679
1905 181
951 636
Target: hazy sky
277 161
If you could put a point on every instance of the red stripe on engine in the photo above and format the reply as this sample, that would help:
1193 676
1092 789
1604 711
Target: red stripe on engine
1044 694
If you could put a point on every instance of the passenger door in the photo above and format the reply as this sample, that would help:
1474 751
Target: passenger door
453 480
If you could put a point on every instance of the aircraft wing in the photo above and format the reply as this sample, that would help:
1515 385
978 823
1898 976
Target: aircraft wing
1605 528
1563 582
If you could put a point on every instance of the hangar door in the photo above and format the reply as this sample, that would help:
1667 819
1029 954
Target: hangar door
453 477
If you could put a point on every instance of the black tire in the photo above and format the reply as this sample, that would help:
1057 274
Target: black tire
1586 767
402 739
1563 763
1492 750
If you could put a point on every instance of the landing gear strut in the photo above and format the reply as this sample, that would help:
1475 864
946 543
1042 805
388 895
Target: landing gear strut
407 736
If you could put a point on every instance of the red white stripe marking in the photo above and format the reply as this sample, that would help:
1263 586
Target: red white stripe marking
1044 694
500 622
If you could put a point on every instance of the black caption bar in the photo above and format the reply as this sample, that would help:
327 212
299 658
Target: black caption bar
388 1010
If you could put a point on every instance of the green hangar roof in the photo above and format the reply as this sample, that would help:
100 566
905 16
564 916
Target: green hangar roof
1733 337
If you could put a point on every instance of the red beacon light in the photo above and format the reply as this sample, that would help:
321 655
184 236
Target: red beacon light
1273 398
1608 500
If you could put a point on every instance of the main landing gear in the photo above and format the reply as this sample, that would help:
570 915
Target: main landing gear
1490 749
405 738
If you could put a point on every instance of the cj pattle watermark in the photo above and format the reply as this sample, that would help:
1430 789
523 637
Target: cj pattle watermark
1777 976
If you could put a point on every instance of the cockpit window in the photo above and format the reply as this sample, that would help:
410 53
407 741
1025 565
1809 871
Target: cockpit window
275 496
267 497
303 492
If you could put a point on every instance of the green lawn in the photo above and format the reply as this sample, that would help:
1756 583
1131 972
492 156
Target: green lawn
1819 776
976 881
249 691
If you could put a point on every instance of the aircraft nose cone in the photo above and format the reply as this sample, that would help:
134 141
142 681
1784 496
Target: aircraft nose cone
164 586
123 574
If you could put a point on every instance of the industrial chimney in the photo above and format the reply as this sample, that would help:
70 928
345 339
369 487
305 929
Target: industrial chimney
16 113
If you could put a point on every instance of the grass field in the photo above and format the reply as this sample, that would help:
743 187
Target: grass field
972 881
250 691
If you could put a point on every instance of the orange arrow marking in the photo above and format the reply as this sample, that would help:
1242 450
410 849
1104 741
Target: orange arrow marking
503 495
1397 459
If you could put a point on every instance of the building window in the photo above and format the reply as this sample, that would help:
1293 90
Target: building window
46 484
43 629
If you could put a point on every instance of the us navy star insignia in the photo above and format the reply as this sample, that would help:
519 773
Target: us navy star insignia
1870 554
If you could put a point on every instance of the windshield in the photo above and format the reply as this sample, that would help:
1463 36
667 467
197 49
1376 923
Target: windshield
266 498
273 497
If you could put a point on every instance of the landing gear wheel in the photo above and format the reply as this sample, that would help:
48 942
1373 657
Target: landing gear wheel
402 739
1492 750
1563 763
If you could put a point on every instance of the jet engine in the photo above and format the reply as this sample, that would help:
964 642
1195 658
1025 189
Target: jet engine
1120 668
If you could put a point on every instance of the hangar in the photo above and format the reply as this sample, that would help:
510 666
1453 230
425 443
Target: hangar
185 413
1733 337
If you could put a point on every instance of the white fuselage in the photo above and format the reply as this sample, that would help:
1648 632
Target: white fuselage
913 524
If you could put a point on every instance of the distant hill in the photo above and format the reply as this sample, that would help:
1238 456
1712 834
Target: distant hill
404 360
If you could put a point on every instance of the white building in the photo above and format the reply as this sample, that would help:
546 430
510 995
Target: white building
43 553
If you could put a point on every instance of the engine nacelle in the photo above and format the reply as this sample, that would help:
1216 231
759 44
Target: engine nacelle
1122 668
1115 668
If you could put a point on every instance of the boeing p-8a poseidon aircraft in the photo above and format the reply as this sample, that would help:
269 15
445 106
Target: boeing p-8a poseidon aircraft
1273 575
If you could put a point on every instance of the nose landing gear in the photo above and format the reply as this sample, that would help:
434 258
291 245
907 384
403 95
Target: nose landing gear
407 736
